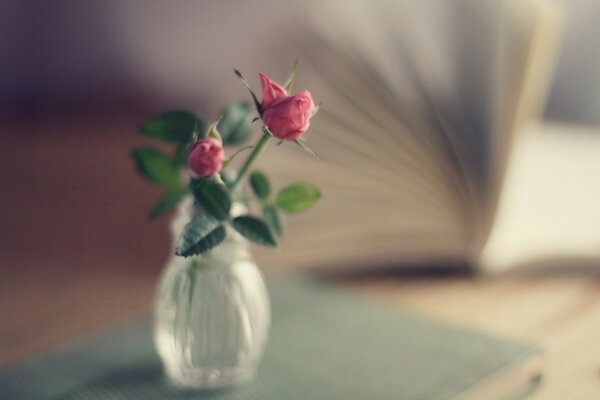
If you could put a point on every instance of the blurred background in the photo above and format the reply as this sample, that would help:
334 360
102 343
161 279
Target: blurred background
72 54
77 78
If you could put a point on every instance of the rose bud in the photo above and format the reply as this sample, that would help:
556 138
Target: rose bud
271 91
206 157
288 117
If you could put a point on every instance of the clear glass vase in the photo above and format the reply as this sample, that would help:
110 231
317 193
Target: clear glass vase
212 314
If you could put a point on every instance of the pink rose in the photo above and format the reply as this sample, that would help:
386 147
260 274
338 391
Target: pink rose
206 157
287 117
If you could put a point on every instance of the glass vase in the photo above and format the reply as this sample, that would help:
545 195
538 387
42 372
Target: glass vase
212 314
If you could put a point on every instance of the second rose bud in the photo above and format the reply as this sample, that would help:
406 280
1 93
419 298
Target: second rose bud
206 157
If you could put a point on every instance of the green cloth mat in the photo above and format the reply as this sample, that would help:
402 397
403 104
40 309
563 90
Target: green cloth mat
326 343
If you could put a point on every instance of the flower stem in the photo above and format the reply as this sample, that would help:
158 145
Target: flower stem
264 139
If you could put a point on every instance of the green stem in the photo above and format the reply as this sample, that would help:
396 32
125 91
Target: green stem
255 152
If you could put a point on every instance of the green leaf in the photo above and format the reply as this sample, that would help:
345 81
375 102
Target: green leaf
271 214
192 239
255 230
168 201
181 153
156 167
174 126
235 125
260 185
212 196
207 242
297 198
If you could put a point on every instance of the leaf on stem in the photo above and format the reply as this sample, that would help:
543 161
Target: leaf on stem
255 230
297 198
156 167
271 214
181 153
235 126
168 201
173 126
260 185
189 247
212 196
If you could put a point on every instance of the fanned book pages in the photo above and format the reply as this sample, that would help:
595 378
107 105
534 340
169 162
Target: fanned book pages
326 343
422 106
548 215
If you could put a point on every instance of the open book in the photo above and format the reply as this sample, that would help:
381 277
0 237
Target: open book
423 108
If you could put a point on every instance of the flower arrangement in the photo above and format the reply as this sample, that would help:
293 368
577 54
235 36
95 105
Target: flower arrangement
207 172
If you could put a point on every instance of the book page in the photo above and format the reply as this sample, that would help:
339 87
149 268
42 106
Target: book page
550 204
531 36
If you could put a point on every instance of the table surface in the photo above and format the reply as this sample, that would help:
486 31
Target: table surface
557 311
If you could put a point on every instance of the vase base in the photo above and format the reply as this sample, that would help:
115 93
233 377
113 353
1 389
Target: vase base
208 378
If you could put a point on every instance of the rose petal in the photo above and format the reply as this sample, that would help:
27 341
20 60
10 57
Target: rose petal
271 91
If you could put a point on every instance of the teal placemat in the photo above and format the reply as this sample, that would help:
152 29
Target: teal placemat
326 343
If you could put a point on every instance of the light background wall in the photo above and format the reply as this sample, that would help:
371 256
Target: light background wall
178 52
